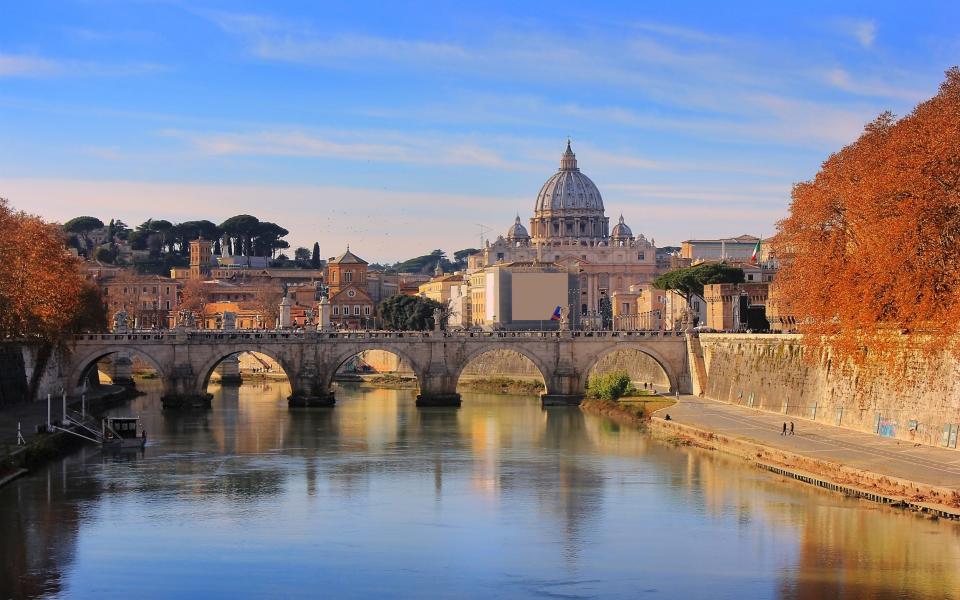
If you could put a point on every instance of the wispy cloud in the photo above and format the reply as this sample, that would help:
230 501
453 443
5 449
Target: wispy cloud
843 80
746 193
722 86
295 42
685 33
14 65
356 145
30 66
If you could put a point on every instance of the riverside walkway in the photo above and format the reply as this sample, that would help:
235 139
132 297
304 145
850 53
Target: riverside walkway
925 465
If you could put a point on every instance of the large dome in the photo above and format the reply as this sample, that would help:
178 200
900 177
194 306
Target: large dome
569 190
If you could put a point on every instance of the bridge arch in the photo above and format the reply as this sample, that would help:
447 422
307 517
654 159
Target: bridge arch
537 361
206 370
662 362
76 380
341 358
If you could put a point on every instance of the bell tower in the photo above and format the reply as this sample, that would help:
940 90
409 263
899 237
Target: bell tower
201 258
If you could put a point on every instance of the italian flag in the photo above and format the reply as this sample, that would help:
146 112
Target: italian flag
755 257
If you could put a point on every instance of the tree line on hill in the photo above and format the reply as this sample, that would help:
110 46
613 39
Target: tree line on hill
168 244
428 263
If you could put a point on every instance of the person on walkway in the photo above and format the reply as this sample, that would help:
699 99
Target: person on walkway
791 427
784 432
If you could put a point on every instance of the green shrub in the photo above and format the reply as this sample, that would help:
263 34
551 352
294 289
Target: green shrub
609 386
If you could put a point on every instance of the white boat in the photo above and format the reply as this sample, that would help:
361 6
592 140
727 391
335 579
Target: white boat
123 433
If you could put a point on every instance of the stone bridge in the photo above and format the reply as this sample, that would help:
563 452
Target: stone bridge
185 359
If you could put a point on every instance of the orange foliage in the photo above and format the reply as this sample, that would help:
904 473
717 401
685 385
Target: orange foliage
871 248
194 296
40 283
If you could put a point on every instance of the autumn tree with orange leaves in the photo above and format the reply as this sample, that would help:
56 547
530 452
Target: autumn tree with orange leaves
42 290
870 252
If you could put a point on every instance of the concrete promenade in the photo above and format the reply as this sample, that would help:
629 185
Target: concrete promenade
925 465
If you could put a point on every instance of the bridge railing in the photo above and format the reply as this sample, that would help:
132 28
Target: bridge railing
281 334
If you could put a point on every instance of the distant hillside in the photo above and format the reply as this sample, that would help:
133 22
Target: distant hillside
428 262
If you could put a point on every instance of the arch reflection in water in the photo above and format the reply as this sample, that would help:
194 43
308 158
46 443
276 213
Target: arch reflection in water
499 496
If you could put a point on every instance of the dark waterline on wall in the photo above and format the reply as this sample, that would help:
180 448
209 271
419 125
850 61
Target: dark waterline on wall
499 498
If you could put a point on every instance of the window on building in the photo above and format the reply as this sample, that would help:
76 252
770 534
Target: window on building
336 310
366 310
500 256
333 276
640 256
168 305
356 309
348 277
168 290
750 277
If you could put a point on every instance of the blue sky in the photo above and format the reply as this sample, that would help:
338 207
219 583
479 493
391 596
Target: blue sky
399 127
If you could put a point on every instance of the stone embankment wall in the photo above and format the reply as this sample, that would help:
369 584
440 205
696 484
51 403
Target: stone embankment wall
770 372
510 364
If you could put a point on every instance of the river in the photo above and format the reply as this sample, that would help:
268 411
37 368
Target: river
497 499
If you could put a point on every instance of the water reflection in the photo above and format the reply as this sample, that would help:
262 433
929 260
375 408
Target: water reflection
376 497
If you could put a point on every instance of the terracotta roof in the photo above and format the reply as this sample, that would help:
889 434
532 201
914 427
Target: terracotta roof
349 258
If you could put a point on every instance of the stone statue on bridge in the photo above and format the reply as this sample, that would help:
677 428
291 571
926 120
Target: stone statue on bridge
120 320
185 319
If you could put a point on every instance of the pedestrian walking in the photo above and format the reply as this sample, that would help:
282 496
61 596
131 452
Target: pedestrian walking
784 432
791 427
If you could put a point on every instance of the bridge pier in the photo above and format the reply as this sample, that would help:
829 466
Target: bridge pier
120 370
229 370
438 384
561 399
182 392
564 388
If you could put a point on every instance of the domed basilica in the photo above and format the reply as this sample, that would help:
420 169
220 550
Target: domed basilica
570 229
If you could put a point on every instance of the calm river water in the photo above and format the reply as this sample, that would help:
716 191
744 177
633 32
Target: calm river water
498 499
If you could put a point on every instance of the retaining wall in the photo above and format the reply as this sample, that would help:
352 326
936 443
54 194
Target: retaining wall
770 372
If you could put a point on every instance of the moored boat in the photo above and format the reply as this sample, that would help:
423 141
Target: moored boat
123 433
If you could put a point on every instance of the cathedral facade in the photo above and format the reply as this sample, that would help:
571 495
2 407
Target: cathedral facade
570 229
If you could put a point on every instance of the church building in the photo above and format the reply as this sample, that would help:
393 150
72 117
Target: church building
570 229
